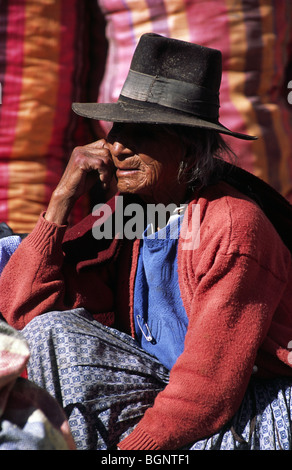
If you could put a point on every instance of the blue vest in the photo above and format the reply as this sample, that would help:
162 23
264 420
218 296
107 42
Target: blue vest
159 315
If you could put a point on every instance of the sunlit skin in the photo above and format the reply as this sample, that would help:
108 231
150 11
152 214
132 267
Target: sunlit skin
135 158
147 159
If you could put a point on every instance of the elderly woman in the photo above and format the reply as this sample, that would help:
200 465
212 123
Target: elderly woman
177 337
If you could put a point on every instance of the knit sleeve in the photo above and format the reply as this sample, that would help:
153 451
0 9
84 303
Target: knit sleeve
32 282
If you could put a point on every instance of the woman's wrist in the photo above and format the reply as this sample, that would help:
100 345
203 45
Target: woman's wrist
59 208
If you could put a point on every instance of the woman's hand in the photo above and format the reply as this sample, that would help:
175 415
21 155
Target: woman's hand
87 164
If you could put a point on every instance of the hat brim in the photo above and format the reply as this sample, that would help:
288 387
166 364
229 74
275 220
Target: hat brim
130 112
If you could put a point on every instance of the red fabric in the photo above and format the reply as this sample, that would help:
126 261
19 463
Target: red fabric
24 374
237 294
235 288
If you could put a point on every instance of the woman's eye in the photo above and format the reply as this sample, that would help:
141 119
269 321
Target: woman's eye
131 134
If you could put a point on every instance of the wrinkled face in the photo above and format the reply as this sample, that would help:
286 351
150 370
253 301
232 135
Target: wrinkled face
147 159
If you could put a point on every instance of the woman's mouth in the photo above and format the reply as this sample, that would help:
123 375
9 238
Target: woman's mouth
125 171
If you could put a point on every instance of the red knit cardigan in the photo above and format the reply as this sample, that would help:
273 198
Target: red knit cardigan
235 286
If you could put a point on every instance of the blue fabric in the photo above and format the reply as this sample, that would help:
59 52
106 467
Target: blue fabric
7 247
106 382
28 434
160 318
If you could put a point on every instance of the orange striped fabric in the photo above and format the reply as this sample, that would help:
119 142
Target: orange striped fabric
42 63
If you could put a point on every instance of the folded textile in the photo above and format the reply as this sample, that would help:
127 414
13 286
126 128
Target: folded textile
30 419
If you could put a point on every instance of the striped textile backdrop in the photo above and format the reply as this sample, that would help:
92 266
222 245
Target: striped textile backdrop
43 67
52 53
255 37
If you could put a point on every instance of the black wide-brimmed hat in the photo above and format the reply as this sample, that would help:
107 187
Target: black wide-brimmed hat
169 82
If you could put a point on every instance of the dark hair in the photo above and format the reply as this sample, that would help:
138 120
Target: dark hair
206 150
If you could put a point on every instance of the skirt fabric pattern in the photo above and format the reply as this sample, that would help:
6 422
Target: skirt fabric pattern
99 375
263 421
105 382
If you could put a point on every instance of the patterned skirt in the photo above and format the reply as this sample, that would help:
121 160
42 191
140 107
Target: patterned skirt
105 382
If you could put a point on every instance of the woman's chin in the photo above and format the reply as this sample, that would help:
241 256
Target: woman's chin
129 187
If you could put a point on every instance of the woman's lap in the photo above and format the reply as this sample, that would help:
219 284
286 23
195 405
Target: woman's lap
101 378
105 382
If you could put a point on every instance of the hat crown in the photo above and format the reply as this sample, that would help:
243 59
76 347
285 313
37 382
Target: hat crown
180 60
170 81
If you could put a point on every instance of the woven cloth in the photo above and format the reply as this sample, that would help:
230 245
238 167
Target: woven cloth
105 383
101 378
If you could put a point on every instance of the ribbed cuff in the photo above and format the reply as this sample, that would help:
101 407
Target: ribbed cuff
138 440
46 235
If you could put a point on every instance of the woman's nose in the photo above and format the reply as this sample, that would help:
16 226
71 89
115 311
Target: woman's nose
120 150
